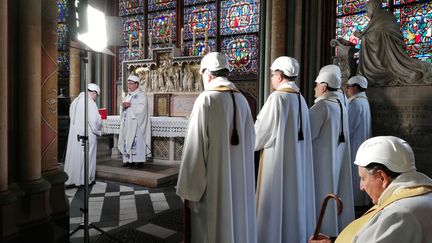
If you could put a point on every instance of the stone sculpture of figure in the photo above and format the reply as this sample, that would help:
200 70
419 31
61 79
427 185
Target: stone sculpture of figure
199 83
190 80
143 74
345 57
185 78
177 86
161 82
169 76
383 60
155 80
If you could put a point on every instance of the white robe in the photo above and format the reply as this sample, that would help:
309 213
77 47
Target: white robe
217 178
360 127
332 162
285 193
74 161
405 220
135 129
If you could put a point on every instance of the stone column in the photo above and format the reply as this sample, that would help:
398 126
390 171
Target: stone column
278 31
74 73
34 209
7 199
49 85
4 71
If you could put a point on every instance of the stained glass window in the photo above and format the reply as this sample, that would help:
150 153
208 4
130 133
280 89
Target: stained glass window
239 16
200 47
162 26
155 5
132 26
242 53
416 26
415 21
200 17
191 2
62 39
128 7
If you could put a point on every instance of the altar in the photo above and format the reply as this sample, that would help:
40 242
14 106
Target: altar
167 137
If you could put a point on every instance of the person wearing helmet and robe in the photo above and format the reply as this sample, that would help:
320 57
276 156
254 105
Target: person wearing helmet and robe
216 177
402 197
285 192
331 154
135 128
74 160
360 127
337 71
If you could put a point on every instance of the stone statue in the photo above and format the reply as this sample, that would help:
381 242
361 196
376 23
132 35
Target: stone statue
383 60
345 57
199 86
185 78
190 80
143 74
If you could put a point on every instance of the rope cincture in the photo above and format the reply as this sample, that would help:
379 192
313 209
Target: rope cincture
300 132
234 136
341 138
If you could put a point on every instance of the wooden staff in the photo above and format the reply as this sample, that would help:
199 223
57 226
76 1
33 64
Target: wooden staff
322 211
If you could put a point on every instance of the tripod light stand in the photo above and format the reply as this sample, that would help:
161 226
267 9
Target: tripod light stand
96 40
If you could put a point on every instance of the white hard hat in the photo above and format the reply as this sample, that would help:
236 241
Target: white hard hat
358 79
214 61
396 154
331 68
331 78
288 65
93 87
133 78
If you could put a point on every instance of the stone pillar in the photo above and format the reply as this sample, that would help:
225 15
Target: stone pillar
49 85
74 74
4 96
7 199
33 201
278 31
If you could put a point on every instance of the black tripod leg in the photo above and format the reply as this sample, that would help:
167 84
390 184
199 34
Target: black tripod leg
75 230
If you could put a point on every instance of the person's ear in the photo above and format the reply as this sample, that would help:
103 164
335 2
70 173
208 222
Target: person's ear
384 178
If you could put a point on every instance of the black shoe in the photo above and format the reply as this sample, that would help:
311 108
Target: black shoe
139 165
126 165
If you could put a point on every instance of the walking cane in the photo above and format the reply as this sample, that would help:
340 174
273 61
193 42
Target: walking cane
187 222
323 208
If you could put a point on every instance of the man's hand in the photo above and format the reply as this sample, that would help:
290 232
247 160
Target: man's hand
321 239
126 104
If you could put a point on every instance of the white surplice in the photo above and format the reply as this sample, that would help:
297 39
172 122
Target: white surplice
74 160
285 193
135 129
217 178
332 162
360 127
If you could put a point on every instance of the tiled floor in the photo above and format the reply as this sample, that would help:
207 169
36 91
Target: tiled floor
125 211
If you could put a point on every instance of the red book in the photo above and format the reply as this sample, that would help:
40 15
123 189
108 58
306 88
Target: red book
103 113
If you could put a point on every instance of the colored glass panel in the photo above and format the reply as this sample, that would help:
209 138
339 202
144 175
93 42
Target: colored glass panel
191 2
416 27
62 10
397 2
200 47
347 25
132 26
239 16
62 37
242 53
353 6
200 17
162 26
156 5
128 7
63 64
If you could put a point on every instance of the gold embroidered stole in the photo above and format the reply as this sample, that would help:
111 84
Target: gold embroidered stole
347 235
289 90
222 88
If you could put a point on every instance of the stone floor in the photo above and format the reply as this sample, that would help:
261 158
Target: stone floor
128 212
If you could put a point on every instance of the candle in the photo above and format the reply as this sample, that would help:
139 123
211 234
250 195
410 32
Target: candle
193 36
130 42
150 39
206 34
181 37
139 41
